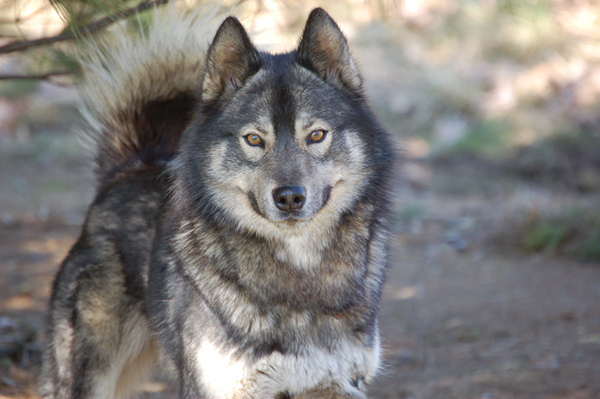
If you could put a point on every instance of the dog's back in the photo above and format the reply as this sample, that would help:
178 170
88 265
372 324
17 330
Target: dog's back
140 96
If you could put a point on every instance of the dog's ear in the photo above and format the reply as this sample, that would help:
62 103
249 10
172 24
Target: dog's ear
323 49
230 60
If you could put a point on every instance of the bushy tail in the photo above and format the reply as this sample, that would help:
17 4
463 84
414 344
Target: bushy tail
140 89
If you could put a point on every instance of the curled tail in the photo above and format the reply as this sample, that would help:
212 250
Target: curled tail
140 89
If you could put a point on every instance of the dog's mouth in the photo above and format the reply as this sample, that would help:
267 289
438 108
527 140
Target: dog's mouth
291 219
254 204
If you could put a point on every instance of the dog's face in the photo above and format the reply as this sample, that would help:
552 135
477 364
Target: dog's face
281 140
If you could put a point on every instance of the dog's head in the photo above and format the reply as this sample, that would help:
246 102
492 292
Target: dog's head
283 140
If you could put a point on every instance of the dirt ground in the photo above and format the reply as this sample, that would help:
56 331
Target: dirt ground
460 319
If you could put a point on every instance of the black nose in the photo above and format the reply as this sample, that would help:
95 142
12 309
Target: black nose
289 198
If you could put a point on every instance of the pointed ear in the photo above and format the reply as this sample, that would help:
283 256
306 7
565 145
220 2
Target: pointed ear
231 59
323 49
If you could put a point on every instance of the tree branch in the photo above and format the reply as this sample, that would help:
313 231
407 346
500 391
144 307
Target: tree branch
39 76
94 27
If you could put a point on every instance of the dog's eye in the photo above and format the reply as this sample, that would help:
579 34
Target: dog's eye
316 136
254 140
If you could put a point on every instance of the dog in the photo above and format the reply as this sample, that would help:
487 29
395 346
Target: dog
239 228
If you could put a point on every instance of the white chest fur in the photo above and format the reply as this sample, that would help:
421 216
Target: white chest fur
227 377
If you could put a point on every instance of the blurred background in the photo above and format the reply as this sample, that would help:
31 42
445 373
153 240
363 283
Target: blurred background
494 281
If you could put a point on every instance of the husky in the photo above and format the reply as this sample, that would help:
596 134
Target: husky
239 228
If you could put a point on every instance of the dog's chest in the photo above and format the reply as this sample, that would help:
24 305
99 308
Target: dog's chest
225 375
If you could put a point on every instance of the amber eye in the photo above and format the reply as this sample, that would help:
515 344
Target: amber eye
317 136
254 140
